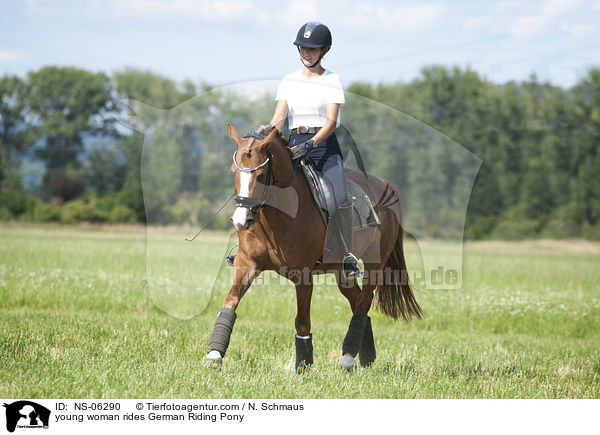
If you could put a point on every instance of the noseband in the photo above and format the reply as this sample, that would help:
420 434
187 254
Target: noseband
255 205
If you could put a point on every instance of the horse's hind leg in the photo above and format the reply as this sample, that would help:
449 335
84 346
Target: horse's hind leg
359 338
350 292
304 346
367 353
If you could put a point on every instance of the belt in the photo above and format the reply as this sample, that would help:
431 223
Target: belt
306 130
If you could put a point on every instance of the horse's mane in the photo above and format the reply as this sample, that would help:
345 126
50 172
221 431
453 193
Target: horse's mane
279 135
282 140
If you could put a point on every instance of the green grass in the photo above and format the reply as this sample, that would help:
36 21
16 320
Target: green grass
78 320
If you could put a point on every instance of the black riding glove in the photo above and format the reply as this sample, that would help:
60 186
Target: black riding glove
300 150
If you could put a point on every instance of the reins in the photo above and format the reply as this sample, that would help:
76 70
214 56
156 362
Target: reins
211 219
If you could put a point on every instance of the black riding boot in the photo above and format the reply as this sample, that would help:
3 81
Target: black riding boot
344 223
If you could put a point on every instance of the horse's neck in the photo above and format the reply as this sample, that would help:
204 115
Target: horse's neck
282 221
290 235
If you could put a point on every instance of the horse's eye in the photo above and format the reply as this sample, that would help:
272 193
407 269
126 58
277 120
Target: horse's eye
260 177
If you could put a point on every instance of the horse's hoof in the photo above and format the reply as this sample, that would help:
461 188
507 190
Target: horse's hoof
214 359
348 362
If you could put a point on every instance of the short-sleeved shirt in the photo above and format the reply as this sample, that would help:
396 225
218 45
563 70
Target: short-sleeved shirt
307 97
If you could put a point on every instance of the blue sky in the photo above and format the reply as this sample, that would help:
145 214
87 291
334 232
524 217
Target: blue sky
224 42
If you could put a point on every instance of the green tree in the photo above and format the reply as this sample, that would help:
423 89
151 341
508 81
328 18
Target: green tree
136 90
586 144
14 131
105 173
67 104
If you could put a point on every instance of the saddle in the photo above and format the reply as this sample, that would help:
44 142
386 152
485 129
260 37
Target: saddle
363 212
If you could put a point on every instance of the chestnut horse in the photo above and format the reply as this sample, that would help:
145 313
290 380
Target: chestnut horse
270 239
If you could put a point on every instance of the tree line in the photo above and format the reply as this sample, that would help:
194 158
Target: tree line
65 155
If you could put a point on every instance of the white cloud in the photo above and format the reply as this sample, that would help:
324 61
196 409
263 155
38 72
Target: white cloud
38 5
549 10
400 18
478 23
577 29
12 55
233 9
299 11
508 4
200 9
554 7
204 9
527 26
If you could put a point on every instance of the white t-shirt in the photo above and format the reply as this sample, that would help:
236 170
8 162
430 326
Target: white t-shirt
307 97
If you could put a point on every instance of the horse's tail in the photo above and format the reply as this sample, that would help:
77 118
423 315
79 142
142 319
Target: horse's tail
395 296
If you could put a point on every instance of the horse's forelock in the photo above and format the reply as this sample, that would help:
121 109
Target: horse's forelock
248 145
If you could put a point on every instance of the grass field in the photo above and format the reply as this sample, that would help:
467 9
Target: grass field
77 320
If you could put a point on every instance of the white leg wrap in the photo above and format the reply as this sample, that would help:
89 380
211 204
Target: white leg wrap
214 358
348 362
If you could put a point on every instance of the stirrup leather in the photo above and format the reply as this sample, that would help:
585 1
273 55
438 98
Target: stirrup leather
350 264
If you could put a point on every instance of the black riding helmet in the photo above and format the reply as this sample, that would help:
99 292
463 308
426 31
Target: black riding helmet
314 35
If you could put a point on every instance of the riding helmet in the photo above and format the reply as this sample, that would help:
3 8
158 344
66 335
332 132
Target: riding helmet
313 35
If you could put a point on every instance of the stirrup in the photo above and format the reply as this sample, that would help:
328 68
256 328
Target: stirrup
351 262
230 258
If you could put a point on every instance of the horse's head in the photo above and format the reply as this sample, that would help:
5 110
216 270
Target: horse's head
257 165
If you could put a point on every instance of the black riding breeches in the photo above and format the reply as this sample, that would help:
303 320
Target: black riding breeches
327 159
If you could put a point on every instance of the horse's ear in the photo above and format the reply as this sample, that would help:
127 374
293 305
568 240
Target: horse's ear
233 133
267 140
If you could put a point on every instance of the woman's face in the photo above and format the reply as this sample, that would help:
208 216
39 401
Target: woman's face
309 55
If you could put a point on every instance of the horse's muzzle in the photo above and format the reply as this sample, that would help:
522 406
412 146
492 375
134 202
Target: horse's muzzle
250 221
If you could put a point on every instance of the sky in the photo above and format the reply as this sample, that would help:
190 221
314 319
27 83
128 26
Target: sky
226 42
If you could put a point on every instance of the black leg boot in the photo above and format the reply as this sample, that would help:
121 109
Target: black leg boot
304 353
219 340
367 353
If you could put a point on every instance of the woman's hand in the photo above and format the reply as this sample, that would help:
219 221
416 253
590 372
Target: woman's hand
264 129
301 150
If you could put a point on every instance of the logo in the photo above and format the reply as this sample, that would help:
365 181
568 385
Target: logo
26 414
309 28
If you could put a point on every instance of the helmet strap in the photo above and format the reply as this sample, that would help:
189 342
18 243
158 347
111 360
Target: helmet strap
323 52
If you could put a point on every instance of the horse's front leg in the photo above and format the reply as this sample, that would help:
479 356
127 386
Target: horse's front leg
304 346
243 275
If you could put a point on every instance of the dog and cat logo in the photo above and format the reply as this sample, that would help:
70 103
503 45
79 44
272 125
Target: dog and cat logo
26 414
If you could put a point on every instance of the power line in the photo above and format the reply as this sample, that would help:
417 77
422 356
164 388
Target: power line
549 54
401 56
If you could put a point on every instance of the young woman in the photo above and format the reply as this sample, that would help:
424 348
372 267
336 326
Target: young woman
311 100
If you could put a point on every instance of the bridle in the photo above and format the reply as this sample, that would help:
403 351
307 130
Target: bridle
255 205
